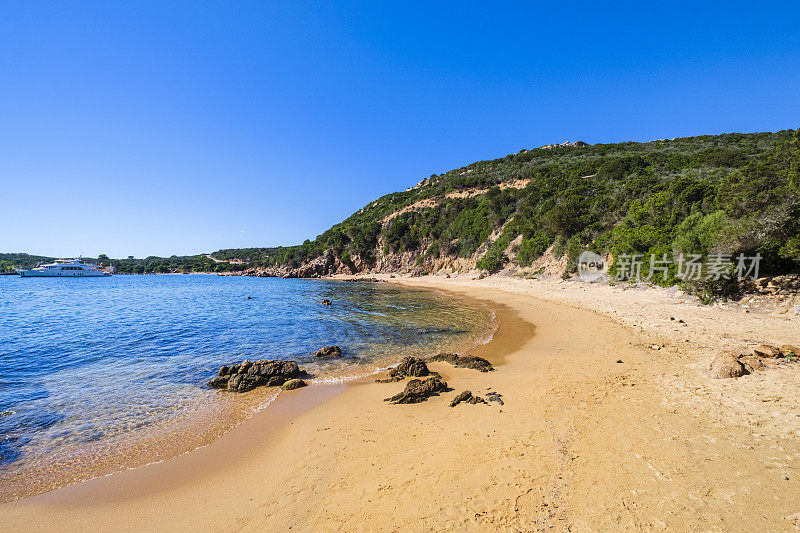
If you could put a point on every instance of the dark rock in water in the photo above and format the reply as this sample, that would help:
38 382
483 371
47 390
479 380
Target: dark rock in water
413 366
328 351
468 361
244 382
249 375
326 302
461 397
249 298
275 381
293 384
418 391
219 382
409 366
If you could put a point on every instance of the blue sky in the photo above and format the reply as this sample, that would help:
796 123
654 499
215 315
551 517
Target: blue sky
153 128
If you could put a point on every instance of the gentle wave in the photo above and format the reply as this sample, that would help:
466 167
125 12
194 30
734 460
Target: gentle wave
92 367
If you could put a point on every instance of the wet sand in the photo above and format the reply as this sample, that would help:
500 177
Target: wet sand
583 442
211 416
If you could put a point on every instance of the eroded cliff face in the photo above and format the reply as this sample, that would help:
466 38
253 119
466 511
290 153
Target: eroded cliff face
416 263
764 293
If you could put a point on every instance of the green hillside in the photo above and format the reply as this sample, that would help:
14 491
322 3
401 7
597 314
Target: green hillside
147 265
731 193
11 261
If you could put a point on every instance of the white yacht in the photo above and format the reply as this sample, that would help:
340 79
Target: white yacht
65 268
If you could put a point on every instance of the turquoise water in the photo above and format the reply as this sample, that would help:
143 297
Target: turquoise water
85 361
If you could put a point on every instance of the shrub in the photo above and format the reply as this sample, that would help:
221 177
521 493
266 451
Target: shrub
559 246
492 261
531 249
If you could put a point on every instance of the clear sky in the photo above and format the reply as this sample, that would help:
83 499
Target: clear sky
152 128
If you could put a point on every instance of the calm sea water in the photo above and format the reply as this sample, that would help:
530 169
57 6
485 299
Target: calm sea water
83 361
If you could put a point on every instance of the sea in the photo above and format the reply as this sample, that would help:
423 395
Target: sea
99 375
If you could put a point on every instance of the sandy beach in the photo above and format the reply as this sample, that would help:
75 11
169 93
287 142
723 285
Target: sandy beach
608 423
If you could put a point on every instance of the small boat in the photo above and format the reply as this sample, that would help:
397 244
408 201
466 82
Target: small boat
65 268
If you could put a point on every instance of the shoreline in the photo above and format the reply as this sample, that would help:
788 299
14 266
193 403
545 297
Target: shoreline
223 413
650 440
248 437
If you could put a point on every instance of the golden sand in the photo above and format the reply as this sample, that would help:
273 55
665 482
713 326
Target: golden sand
582 443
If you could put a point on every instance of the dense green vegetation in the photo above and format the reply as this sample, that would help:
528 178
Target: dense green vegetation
15 261
161 265
731 194
148 265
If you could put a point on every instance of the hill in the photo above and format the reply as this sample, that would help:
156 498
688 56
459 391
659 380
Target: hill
535 211
147 265
714 194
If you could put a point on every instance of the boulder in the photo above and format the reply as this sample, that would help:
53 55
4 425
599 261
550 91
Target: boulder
244 382
249 375
409 366
393 376
276 381
767 350
328 351
787 350
467 361
418 391
466 397
495 397
219 382
461 397
293 384
751 363
726 365
413 366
